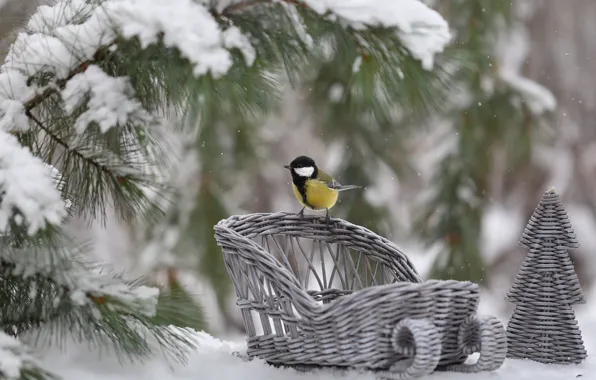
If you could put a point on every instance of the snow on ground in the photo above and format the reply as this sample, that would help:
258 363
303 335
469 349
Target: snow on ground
213 360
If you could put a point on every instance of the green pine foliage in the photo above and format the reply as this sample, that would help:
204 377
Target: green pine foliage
53 293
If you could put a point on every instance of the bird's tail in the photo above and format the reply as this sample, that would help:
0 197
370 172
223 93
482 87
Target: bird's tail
347 187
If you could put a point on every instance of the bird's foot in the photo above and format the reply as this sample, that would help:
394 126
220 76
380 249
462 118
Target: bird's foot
301 213
327 218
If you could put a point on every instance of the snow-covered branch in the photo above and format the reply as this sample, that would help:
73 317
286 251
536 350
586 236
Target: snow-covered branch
185 25
15 360
70 33
538 98
27 188
512 50
70 276
110 103
64 39
55 288
422 30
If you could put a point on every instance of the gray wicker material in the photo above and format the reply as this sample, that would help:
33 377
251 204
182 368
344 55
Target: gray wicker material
543 327
339 295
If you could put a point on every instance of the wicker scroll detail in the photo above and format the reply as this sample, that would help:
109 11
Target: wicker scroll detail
485 335
338 295
419 340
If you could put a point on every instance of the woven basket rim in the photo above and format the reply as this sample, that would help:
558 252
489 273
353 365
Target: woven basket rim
295 220
299 223
225 225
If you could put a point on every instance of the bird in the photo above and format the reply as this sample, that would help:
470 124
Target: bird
314 188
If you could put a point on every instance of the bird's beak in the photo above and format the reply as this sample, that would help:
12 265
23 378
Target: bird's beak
287 167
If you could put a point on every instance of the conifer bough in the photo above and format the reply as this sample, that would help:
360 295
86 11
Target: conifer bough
86 87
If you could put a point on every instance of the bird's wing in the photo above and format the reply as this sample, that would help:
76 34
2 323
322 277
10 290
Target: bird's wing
332 182
324 177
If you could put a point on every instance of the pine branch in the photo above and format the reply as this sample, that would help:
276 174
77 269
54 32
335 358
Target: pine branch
25 208
101 54
68 148
374 19
244 5
387 95
115 163
16 361
62 296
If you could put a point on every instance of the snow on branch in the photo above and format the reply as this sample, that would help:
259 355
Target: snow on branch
94 287
57 55
27 189
184 24
83 284
48 18
538 98
111 100
63 40
422 30
14 91
14 358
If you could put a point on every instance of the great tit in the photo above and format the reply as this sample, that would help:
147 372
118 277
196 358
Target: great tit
313 187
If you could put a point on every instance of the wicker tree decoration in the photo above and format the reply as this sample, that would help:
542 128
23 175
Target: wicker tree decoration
543 327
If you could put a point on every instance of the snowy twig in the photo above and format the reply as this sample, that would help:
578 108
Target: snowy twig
38 99
78 281
26 185
88 43
239 7
422 30
101 168
54 288
15 360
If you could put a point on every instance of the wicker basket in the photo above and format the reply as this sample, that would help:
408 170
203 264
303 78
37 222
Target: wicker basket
339 295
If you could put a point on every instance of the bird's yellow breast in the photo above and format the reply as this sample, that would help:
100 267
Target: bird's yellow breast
318 195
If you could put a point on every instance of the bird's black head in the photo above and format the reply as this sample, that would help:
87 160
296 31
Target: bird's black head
303 167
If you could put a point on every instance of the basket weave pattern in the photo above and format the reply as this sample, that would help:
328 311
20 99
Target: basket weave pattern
339 295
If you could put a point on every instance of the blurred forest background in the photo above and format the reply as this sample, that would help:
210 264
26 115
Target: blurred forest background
453 185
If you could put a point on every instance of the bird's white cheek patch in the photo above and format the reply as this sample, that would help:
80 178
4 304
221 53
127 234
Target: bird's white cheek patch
304 172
